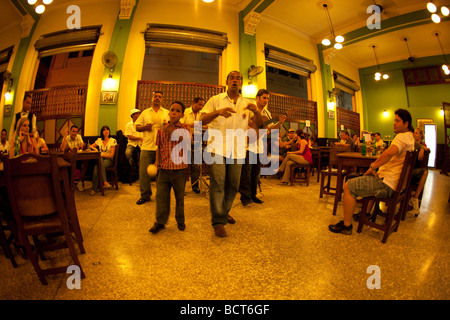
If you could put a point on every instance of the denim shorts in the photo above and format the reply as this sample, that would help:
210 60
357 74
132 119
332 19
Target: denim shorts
369 186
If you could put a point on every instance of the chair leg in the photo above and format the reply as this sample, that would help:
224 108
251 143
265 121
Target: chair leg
6 248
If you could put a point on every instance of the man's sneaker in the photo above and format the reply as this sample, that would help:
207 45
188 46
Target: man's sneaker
80 186
341 228
414 202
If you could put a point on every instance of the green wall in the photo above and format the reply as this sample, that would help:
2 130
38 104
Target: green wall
421 101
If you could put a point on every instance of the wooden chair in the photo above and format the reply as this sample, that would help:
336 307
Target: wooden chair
113 169
37 203
299 179
413 186
4 243
331 171
396 204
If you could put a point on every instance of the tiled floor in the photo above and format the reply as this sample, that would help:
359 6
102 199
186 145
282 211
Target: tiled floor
280 250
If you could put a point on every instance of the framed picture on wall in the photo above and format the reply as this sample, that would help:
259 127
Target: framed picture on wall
108 97
422 122
7 110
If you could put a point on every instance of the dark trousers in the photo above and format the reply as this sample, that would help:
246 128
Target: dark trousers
167 180
248 186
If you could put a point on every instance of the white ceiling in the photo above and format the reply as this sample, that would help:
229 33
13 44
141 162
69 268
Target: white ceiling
309 19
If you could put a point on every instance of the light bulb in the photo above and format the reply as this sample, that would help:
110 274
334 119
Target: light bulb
208 1
47 1
385 76
444 67
338 46
31 2
447 72
431 7
40 9
326 42
378 75
339 39
445 11
441 112
435 18
7 95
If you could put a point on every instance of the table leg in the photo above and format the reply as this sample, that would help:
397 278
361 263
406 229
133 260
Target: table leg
338 186
100 176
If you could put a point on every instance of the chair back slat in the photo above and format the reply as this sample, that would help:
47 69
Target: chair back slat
406 174
334 151
31 179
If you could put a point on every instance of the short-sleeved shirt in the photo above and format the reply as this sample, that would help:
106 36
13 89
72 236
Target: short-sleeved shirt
105 148
74 143
4 148
390 172
157 119
170 158
227 136
130 130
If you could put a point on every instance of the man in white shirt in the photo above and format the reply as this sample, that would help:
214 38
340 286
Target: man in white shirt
4 143
382 177
251 168
191 115
227 115
149 122
134 140
73 140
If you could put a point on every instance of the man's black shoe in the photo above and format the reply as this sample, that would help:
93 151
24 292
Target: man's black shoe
341 228
181 226
256 200
141 201
156 227
196 190
246 201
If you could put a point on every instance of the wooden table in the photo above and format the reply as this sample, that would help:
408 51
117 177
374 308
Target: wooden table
319 152
73 157
349 159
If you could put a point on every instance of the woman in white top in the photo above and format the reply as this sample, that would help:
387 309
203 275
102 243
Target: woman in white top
107 146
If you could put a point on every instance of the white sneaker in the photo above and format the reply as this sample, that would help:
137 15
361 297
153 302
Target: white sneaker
415 204
80 186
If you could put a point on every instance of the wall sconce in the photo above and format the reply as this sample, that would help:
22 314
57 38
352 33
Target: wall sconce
385 114
9 83
441 112
331 105
249 91
109 83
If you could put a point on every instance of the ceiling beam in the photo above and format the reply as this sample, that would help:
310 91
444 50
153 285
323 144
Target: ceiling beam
404 21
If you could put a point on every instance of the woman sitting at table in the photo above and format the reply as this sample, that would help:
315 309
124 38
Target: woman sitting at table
21 142
107 147
41 146
301 156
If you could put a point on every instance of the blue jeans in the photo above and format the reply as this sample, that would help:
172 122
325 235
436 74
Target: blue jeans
167 180
147 157
106 163
224 186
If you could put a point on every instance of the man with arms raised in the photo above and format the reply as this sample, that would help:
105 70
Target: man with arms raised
225 111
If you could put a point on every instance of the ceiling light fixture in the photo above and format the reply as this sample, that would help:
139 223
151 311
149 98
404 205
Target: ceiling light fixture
445 65
39 7
338 39
435 14
378 73
431 7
